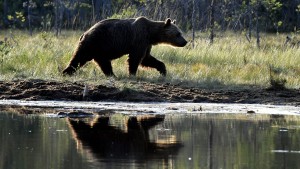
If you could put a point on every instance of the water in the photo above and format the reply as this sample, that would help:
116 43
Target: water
116 140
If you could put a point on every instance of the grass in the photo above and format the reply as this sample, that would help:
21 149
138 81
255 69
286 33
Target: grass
230 62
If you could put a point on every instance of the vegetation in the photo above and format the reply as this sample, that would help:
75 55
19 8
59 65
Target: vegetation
231 61
269 15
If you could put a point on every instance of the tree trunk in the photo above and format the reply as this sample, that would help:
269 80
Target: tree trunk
97 9
193 24
93 13
56 17
184 14
61 13
5 9
249 10
156 14
106 10
257 23
212 22
28 16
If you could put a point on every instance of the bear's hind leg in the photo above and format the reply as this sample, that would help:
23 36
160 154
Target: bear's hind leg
152 62
105 66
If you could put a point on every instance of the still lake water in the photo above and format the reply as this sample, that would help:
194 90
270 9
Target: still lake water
117 140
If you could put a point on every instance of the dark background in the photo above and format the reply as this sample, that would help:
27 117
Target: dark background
197 15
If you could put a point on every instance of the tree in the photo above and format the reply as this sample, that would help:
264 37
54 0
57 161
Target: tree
29 5
258 5
237 15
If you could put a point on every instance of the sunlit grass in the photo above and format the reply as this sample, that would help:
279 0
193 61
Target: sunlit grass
230 62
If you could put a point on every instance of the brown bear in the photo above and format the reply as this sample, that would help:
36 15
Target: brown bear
112 38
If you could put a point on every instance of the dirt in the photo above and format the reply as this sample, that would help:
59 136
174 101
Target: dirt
144 92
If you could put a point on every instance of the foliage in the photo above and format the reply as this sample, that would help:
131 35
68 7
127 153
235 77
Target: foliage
130 12
17 19
274 15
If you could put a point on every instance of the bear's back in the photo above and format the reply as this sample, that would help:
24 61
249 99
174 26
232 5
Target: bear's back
112 26
111 36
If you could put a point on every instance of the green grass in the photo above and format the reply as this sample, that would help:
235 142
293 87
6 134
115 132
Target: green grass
230 62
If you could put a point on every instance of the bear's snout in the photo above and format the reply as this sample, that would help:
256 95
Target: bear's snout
184 42
181 43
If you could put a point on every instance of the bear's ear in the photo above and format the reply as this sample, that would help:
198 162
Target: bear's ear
174 22
168 22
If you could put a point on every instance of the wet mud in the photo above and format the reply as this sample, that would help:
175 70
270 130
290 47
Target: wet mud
32 90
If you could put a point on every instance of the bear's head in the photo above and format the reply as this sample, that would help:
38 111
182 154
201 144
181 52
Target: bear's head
172 35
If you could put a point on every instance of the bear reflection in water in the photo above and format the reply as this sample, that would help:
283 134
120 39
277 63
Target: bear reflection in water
106 141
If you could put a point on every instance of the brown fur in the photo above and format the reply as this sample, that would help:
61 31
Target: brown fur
110 39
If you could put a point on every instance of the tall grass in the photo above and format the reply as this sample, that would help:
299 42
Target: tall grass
230 62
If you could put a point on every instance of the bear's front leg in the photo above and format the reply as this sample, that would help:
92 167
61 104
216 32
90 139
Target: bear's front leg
134 60
150 61
133 66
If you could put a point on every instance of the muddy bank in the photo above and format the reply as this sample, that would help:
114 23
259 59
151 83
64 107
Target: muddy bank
143 92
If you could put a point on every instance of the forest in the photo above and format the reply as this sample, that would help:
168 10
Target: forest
197 15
